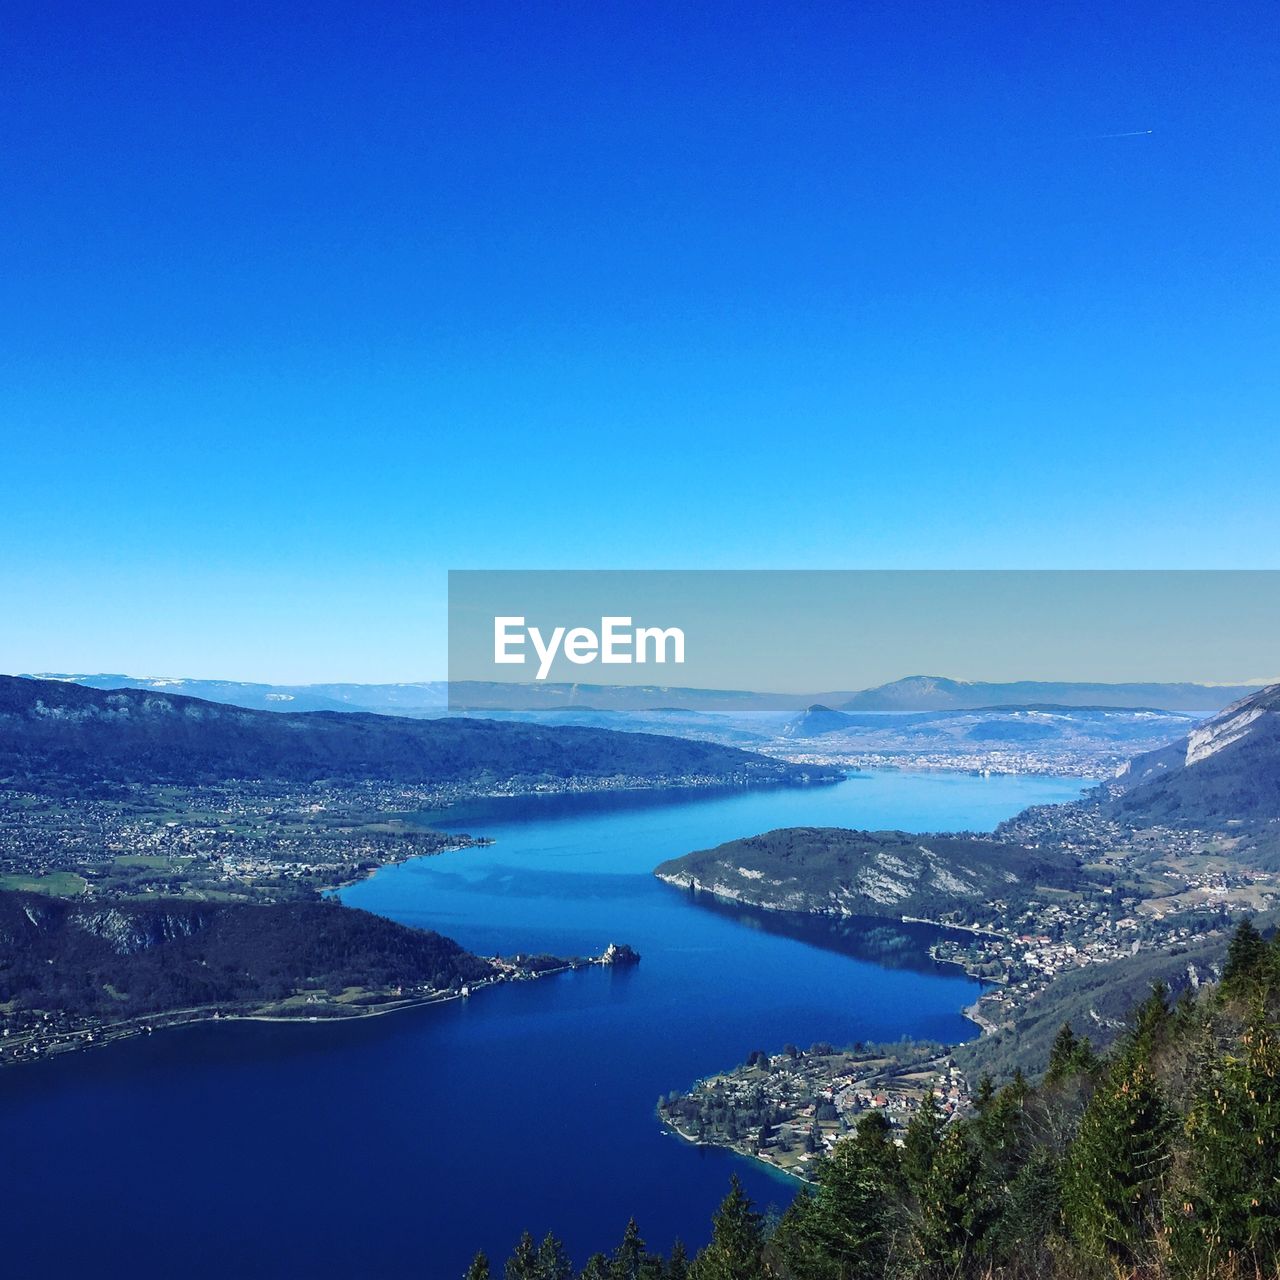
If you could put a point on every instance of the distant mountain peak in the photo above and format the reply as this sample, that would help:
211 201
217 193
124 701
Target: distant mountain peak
941 693
1222 731
1226 769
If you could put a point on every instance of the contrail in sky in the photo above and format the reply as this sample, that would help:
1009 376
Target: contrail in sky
1133 133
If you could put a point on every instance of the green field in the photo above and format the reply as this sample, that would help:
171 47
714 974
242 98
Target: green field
57 884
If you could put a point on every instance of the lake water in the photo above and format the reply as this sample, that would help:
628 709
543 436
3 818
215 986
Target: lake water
399 1145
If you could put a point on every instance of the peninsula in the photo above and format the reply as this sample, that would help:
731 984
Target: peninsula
1066 911
76 975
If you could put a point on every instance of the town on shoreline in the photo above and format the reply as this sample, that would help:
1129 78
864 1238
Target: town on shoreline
789 1109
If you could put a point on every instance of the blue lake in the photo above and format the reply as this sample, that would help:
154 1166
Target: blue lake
399 1145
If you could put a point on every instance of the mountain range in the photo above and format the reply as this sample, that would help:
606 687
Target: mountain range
51 728
1008 726
437 697
1223 775
937 693
429 697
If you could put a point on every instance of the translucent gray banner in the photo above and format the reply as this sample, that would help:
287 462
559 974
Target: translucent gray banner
819 632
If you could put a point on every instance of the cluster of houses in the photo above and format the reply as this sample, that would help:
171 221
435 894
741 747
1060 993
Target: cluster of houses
809 1101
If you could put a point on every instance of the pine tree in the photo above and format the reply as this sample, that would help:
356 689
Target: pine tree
552 1261
1029 1214
1085 1062
1061 1053
1117 1166
629 1256
852 1217
1001 1130
1060 1102
1246 960
1233 1201
523 1263
1070 1055
678 1263
1186 1012
920 1143
873 1140
955 1206
797 1241
841 1230
1271 965
985 1091
597 1268
479 1268
737 1240
1149 1026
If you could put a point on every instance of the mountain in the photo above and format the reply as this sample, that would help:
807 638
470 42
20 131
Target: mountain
816 720
1225 771
834 871
429 698
467 697
55 728
675 721
1136 728
482 695
937 693
542 700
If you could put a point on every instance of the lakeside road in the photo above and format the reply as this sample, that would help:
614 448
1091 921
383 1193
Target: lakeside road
1003 934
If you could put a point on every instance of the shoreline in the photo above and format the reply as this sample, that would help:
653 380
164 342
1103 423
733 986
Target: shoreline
596 787
463 842
81 1040
769 1165
695 886
721 893
963 928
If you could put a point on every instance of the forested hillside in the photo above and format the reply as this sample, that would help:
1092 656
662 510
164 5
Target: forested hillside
1223 774
832 870
1159 1161
1097 999
51 730
123 959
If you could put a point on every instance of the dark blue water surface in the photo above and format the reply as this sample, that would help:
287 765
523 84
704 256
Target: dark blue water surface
397 1146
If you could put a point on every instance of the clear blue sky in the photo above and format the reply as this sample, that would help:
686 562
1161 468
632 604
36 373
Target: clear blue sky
302 305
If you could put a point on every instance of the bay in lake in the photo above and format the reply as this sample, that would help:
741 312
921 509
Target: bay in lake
397 1146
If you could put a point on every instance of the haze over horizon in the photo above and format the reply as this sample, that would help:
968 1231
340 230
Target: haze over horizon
167 679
